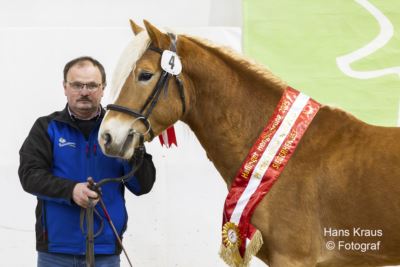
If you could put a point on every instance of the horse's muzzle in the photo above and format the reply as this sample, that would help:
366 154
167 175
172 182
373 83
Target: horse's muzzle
111 147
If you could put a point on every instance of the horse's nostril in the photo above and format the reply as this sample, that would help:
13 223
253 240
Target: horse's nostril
107 138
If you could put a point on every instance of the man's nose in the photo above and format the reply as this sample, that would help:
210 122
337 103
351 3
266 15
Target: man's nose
84 90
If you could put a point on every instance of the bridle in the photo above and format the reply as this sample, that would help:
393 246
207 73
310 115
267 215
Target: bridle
162 84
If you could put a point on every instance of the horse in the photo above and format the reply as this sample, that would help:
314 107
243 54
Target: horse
341 185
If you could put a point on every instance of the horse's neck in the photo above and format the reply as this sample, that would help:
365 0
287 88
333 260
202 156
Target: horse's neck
230 105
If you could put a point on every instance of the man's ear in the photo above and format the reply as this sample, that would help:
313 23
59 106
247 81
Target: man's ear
159 39
65 87
136 29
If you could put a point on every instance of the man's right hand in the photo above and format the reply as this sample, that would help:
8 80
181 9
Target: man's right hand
81 195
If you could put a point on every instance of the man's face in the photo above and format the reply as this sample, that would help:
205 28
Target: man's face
80 89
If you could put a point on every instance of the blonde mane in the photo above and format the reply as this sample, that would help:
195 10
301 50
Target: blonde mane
127 62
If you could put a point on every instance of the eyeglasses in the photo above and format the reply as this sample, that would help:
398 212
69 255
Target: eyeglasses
78 86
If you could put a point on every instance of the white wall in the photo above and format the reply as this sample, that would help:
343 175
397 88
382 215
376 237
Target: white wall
107 13
178 223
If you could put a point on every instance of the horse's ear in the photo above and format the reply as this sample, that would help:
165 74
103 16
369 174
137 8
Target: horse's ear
135 28
159 39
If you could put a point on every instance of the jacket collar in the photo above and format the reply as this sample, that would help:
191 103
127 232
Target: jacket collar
67 117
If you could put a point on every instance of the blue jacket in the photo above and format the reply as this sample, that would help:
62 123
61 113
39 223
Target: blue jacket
55 156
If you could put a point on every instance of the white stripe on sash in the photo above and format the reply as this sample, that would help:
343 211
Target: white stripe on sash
268 155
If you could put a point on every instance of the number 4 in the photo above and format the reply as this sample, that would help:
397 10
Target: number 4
172 62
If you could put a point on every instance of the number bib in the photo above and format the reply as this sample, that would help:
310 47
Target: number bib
171 63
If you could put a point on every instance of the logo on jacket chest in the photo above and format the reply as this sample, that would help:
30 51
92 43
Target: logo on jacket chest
62 143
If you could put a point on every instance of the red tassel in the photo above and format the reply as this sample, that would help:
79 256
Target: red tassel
168 137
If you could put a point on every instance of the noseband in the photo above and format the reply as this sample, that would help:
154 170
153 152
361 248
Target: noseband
152 100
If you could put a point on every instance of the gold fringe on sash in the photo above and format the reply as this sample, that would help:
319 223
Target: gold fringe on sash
232 257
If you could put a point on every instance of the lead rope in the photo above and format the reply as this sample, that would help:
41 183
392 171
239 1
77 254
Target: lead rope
89 234
89 222
115 231
90 258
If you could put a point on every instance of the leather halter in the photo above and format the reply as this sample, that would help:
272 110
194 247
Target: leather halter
153 98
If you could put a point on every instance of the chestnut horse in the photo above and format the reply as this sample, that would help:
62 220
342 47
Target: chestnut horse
341 187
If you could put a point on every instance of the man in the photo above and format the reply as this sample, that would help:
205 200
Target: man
59 154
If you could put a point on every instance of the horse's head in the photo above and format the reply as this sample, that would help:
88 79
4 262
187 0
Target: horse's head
148 98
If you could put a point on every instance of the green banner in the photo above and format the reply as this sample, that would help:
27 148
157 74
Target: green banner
344 53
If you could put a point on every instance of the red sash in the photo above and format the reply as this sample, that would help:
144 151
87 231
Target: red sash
261 168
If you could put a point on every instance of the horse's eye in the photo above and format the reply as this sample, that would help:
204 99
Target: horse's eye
145 76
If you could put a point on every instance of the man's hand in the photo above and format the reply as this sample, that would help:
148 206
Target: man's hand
81 195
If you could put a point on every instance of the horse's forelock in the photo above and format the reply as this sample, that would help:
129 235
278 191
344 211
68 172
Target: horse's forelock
127 62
